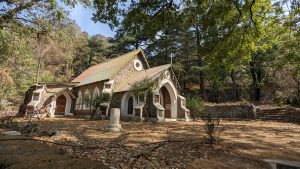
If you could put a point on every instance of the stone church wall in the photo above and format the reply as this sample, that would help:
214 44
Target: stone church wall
83 89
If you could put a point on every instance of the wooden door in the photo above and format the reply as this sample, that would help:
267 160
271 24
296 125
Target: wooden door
60 105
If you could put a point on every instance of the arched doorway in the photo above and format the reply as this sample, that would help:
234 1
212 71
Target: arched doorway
168 95
165 101
61 102
130 106
128 101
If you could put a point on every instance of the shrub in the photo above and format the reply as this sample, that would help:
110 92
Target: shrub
210 127
196 105
8 122
295 102
101 98
96 101
279 99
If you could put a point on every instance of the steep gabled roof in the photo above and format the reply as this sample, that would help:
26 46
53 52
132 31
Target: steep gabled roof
108 69
154 72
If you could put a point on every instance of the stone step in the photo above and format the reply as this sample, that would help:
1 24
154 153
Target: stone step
272 114
268 110
275 119
262 114
272 111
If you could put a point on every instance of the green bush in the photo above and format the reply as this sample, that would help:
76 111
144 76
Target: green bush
279 99
97 100
101 98
196 105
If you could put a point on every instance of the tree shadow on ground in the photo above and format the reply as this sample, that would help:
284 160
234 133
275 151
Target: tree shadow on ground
176 144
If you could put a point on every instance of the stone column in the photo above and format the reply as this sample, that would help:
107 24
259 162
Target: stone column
114 121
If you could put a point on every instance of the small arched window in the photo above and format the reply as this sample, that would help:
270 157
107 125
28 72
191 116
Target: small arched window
79 101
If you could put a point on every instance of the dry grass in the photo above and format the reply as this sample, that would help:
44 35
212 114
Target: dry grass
242 144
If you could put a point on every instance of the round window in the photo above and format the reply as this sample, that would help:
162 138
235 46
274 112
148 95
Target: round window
137 65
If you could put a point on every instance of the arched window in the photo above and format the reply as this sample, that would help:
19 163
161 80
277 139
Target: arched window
96 92
79 101
87 99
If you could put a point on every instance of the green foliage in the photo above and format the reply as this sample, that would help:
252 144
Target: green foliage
97 100
101 98
144 87
195 104
40 47
210 39
93 102
91 51
279 99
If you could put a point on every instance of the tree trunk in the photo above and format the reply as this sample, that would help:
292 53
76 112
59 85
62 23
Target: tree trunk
234 86
90 60
185 81
200 64
38 70
258 86
257 78
298 93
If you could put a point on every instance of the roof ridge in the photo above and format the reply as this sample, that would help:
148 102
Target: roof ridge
125 54
158 67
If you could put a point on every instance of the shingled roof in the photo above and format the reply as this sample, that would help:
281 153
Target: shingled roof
108 69
152 73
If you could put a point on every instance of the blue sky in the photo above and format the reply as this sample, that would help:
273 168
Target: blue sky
82 16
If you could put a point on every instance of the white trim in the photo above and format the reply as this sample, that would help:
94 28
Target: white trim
183 107
78 105
68 104
138 68
67 107
108 90
39 91
173 95
124 104
52 107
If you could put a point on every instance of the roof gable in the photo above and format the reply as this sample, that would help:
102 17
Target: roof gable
153 73
107 70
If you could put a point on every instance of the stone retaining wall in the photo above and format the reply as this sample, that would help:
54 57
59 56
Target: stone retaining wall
230 111
294 115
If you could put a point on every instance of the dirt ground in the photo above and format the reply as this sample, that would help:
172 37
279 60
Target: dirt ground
241 144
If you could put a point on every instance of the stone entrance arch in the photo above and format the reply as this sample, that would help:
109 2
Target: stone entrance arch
168 95
63 104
